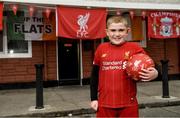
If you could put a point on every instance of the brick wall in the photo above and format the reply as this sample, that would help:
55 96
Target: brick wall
17 70
51 61
156 51
87 63
87 57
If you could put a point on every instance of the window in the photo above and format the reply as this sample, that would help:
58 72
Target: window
138 30
10 48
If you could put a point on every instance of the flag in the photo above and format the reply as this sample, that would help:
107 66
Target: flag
51 23
23 27
1 16
163 24
81 23
11 22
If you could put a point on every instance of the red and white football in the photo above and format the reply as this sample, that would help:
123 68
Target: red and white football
136 63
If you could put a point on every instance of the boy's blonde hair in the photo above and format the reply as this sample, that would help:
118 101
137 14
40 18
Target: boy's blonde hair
117 19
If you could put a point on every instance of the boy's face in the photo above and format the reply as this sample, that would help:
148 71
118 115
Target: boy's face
117 32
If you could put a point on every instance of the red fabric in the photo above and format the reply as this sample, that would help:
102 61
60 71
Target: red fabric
129 112
1 15
79 23
162 24
115 88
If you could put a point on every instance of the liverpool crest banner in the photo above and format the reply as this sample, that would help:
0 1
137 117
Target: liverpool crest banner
81 23
163 24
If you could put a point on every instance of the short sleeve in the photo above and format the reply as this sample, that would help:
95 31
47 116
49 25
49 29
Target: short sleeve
138 49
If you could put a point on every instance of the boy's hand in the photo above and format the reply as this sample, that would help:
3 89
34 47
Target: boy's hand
94 105
148 74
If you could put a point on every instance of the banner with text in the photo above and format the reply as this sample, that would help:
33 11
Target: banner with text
23 27
79 23
163 24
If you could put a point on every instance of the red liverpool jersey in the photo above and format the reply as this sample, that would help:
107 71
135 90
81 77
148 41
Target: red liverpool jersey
115 88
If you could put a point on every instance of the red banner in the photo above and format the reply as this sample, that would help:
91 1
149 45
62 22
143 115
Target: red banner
79 23
1 15
163 24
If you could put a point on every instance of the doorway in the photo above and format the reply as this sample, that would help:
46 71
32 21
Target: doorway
68 61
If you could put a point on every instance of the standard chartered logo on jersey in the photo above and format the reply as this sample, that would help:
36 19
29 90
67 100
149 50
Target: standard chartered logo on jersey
114 65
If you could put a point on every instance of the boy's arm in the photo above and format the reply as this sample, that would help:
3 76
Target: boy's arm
94 82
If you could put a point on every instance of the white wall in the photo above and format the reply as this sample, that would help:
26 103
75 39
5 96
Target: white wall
131 4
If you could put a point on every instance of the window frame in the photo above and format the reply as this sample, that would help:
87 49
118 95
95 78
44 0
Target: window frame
5 54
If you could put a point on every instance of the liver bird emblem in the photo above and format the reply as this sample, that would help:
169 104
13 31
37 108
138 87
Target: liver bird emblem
82 22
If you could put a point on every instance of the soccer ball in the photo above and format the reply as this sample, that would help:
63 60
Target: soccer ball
136 63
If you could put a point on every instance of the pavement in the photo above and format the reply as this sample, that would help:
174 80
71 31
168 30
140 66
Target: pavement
74 99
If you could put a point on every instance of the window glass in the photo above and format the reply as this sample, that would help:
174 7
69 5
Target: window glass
87 45
15 41
13 46
17 46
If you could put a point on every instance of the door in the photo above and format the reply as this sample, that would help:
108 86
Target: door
68 61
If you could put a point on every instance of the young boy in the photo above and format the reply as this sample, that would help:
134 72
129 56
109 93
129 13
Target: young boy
113 92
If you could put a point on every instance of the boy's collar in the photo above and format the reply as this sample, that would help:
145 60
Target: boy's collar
117 45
